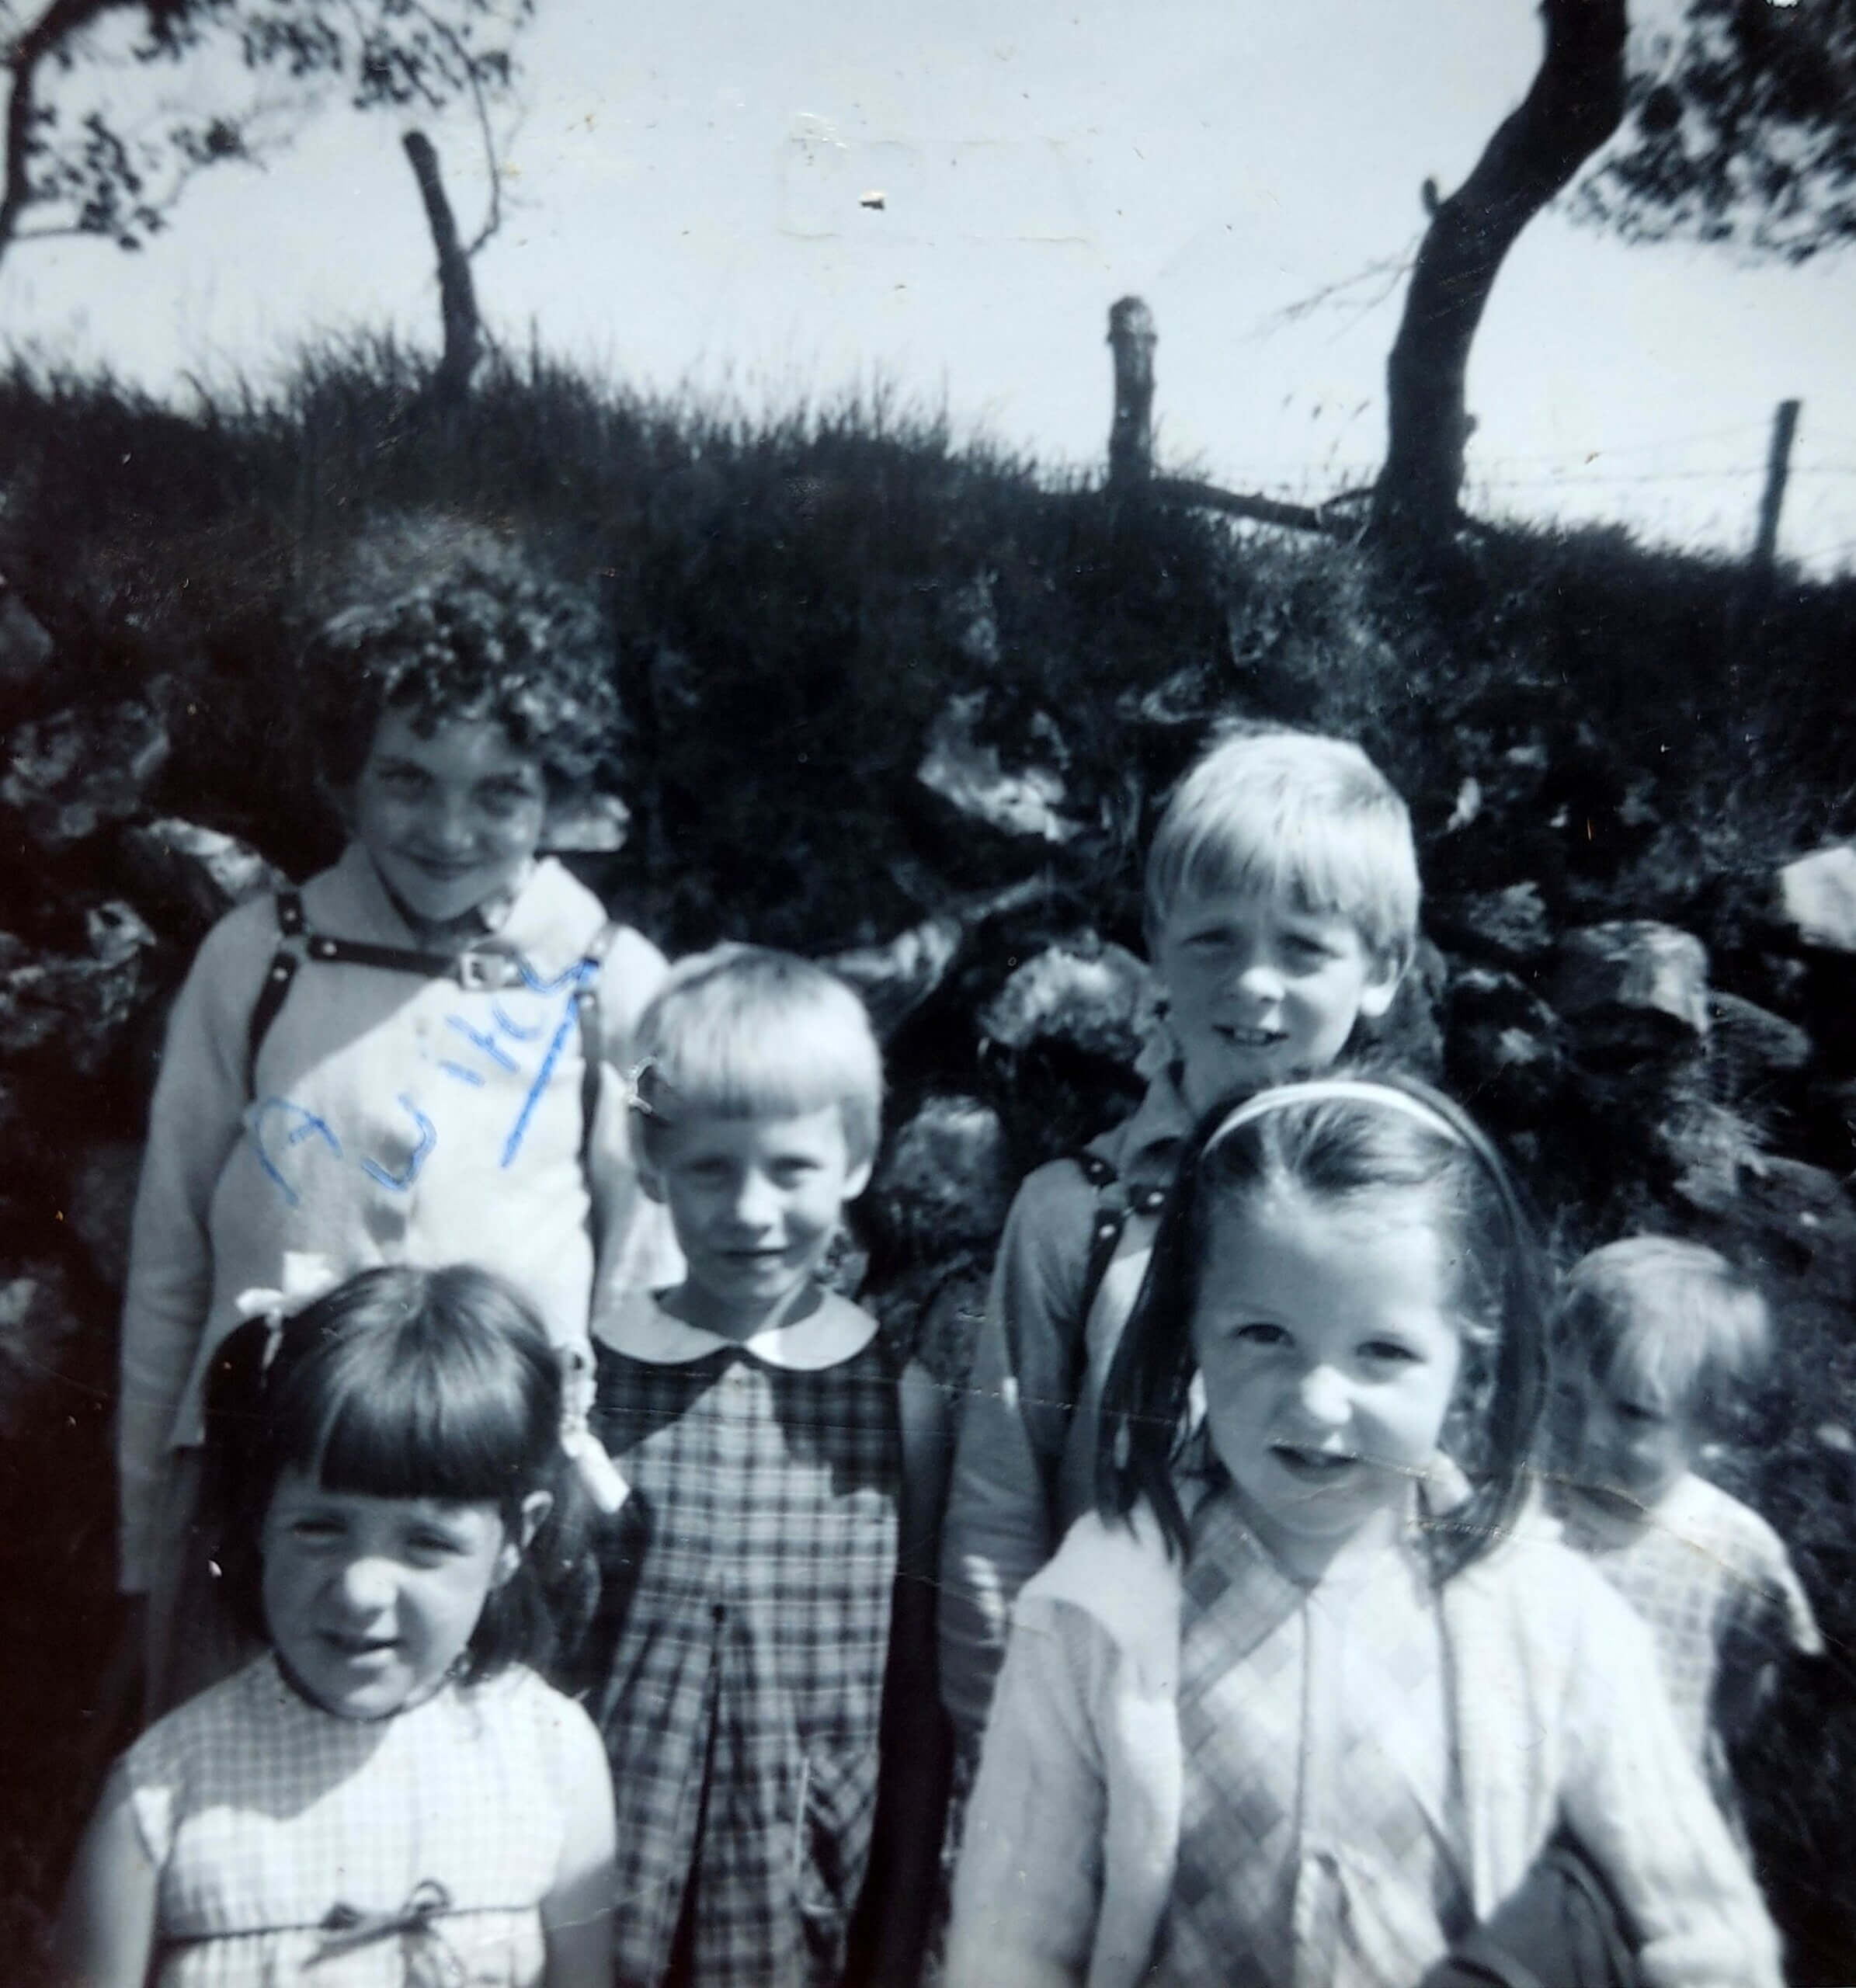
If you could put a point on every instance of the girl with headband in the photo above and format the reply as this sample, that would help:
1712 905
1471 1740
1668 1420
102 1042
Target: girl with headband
1319 1709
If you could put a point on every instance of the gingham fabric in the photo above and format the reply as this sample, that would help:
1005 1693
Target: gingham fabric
441 1826
1713 1582
1321 1830
744 1628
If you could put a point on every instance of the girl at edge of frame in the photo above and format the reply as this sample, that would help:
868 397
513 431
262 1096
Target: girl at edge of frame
1315 1709
390 1794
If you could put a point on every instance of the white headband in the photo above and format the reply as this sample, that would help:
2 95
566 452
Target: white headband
1337 1090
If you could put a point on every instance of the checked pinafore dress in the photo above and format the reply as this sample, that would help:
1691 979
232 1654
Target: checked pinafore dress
743 1630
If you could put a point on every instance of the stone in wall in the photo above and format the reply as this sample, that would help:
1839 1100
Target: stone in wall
969 772
198 873
1817 897
899 976
944 1181
1614 980
1505 1048
78 770
1091 994
74 1006
1800 1219
1755 1058
1507 928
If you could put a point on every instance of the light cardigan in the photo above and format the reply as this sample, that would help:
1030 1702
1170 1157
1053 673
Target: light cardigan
393 1119
1067 1865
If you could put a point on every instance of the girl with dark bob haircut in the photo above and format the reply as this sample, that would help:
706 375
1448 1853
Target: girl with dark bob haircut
401 1383
386 1785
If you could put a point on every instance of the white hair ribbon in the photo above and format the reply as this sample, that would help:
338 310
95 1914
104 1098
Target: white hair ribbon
598 1474
307 1276
632 1082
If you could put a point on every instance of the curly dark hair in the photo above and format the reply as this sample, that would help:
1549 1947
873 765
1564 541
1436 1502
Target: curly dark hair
480 637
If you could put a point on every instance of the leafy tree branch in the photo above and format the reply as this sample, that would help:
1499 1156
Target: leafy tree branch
91 175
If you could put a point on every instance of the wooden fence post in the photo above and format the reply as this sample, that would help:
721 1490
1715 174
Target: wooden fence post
1779 465
1131 338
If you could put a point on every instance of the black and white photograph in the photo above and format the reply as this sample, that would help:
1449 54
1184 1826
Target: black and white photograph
928 994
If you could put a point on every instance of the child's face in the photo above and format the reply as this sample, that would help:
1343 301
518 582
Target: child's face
1329 1354
371 1600
755 1201
450 820
1635 1441
1261 990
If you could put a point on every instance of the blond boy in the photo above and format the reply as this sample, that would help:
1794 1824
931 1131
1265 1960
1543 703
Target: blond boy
1281 910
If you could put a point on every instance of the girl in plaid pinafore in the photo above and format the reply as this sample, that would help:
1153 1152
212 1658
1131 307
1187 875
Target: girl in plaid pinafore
748 1609
764 1642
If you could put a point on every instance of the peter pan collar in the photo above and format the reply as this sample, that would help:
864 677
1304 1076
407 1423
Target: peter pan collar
642 1330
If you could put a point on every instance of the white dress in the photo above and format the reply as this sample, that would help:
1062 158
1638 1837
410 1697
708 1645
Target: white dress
407 1852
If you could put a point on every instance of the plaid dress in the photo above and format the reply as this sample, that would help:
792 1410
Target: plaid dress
743 1632
1716 1588
1321 1836
292 1845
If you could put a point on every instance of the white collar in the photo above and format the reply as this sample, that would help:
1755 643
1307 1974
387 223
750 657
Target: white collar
642 1330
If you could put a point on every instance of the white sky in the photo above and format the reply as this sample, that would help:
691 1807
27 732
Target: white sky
684 186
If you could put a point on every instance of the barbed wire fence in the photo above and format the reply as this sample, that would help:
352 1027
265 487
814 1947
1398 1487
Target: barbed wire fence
1764 476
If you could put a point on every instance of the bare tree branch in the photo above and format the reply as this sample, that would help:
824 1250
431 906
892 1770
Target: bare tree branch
491 158
1385 272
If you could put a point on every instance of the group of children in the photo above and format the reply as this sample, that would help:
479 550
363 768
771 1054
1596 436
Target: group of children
476 1249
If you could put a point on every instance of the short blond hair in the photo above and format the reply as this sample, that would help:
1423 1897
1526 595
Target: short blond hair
1294 814
744 1032
1674 1314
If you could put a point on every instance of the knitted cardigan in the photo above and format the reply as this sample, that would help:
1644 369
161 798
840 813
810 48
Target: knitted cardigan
1067 1865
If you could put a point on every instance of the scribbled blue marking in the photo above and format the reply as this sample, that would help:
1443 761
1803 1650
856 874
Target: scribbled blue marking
514 1028
464 1076
428 1138
570 977
487 1044
311 1127
569 1014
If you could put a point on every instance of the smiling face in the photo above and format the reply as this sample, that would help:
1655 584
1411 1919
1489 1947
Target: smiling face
754 1200
1330 1352
450 819
369 1600
1261 990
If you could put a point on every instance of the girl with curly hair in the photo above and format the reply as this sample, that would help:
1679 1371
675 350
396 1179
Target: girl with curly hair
412 1060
